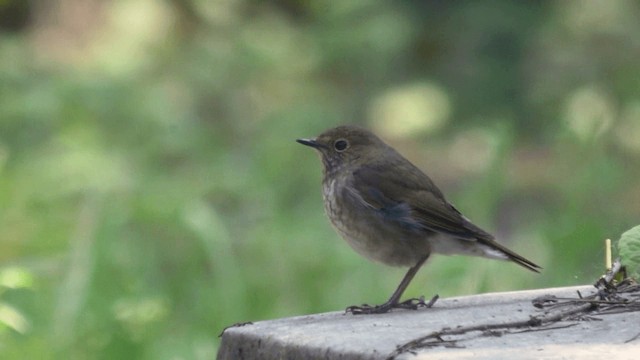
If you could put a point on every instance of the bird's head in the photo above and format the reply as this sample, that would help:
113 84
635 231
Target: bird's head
345 145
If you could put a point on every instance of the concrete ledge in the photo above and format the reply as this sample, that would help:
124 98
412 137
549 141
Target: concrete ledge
337 335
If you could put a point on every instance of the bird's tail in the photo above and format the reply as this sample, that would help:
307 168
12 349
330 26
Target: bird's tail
507 254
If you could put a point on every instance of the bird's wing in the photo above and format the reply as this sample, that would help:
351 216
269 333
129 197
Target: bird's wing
411 199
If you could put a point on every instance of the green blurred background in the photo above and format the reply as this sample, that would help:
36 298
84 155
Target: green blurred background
151 191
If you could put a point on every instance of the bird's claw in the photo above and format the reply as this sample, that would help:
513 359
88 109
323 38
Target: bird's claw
411 304
367 309
415 303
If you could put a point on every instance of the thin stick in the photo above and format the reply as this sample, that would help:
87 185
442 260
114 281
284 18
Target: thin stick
607 254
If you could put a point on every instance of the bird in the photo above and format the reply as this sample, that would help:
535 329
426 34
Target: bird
391 212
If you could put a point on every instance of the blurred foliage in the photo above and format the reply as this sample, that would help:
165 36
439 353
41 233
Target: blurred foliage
151 191
628 247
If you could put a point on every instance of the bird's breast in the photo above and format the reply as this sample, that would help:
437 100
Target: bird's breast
367 231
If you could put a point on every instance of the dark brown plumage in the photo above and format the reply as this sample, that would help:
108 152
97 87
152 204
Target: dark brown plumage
390 211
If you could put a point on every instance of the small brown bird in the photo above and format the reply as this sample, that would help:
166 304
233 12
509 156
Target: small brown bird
391 212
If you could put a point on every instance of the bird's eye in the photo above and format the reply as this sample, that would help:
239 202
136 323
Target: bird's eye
341 145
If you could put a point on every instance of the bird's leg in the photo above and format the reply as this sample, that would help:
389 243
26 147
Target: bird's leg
394 300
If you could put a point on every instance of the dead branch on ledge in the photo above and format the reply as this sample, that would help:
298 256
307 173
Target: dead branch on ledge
611 297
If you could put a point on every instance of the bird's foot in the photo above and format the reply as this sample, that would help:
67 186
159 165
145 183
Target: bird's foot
415 303
411 304
368 309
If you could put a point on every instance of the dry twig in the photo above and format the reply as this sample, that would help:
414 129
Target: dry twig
612 297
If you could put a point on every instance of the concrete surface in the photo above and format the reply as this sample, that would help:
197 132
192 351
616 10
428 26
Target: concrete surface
337 335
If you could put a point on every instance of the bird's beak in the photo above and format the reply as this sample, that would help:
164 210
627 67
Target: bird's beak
311 142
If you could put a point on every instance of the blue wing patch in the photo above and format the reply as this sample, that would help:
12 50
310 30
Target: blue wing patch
399 212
